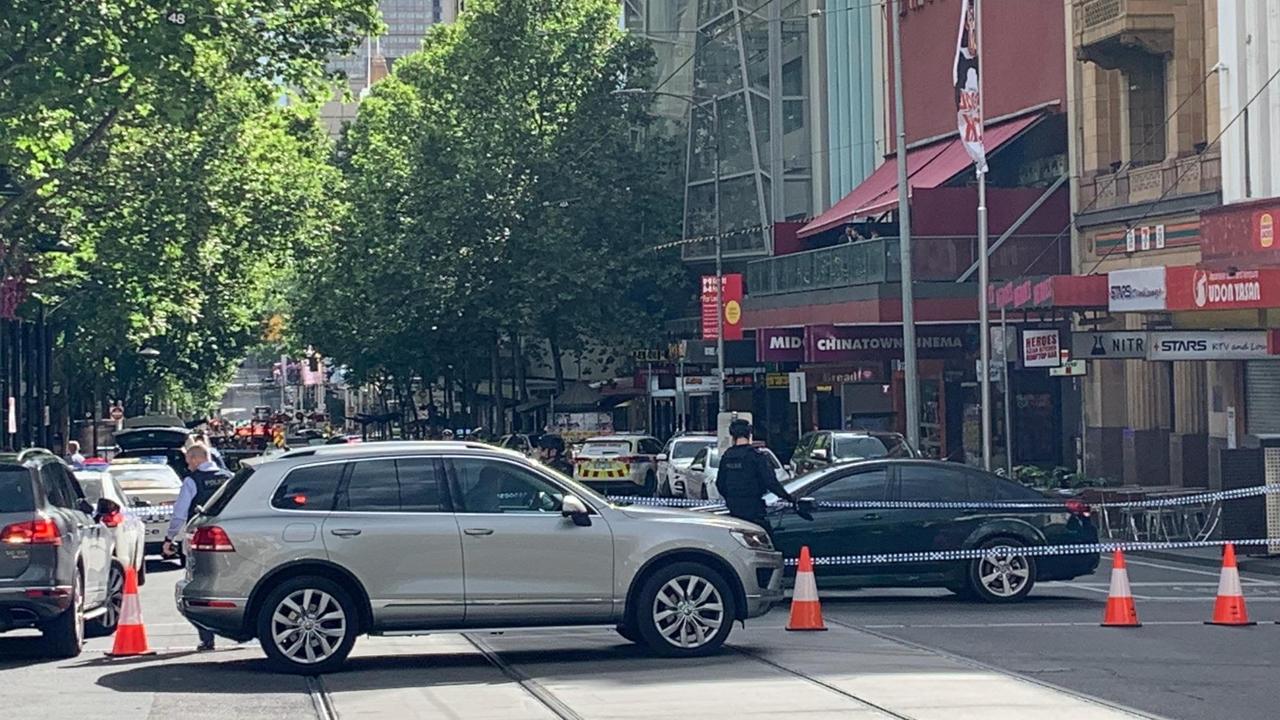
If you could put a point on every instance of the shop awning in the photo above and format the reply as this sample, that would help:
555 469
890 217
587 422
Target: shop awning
928 166
1070 292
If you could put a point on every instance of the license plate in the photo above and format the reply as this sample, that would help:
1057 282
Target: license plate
601 465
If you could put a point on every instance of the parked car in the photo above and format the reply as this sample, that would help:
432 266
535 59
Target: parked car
1007 577
698 481
677 455
824 448
128 530
56 566
152 487
519 442
152 436
534 547
619 464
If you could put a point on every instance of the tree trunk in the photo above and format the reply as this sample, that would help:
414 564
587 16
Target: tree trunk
495 388
556 362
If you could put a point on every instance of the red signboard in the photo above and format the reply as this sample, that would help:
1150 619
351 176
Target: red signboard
1192 288
732 306
1241 235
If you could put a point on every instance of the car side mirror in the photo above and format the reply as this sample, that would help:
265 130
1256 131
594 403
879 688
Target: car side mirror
573 508
806 506
821 454
662 457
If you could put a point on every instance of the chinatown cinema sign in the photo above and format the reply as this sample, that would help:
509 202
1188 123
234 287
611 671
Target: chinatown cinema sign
843 343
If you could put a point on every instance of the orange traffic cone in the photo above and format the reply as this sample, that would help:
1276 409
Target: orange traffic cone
806 611
1120 608
1229 608
131 636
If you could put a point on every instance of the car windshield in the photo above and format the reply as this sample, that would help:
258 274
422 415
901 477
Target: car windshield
859 447
152 478
92 486
686 449
15 490
605 448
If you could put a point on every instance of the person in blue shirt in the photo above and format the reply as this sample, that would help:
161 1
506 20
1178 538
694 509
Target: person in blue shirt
203 481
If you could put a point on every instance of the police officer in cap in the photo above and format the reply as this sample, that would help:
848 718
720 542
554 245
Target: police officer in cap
197 487
745 476
551 453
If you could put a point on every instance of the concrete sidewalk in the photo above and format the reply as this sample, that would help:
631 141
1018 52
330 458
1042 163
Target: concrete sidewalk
1212 557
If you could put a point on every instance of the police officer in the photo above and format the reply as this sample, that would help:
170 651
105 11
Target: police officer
744 477
197 487
551 452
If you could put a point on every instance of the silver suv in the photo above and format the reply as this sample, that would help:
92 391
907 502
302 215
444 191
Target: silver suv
316 546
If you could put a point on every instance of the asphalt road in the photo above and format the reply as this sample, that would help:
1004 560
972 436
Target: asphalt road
888 654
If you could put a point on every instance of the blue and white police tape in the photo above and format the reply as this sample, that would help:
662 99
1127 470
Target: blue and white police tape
1029 551
1048 503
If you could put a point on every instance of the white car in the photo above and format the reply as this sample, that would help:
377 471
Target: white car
698 481
128 530
677 456
619 464
152 487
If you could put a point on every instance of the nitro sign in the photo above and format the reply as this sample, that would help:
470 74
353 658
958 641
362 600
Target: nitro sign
1196 289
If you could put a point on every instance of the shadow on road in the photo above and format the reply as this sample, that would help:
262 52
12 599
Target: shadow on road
165 676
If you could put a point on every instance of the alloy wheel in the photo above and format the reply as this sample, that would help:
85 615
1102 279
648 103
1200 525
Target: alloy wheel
1004 574
688 611
308 626
115 598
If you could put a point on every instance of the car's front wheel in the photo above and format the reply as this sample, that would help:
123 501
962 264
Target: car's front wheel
307 625
105 624
1005 575
684 610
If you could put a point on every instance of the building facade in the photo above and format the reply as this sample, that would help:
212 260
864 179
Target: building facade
407 22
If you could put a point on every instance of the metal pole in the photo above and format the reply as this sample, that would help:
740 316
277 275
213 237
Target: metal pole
1008 395
984 312
909 370
715 121
648 391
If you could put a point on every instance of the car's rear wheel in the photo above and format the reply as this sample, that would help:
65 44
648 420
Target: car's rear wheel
307 625
1004 576
105 624
65 633
684 610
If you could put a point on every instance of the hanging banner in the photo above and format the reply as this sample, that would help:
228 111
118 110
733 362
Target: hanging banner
731 294
965 81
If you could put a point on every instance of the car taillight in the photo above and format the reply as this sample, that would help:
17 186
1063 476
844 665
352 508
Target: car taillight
41 531
113 519
1079 507
211 539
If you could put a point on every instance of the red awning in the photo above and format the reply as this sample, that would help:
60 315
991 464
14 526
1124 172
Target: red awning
927 167
1067 292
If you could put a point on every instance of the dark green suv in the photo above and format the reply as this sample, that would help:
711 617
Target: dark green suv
55 554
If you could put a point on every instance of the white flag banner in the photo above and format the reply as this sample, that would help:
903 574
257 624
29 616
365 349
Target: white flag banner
968 98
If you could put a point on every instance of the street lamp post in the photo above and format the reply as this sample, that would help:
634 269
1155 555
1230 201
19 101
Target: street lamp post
695 103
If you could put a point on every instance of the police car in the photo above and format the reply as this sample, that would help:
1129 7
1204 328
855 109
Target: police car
152 487
619 464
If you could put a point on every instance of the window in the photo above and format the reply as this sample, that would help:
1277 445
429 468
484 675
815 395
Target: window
56 488
929 483
421 485
681 450
859 447
1146 109
868 485
700 460
372 486
649 446
820 441
15 490
309 488
491 486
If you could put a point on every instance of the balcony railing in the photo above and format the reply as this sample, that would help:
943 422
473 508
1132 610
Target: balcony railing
1184 176
934 259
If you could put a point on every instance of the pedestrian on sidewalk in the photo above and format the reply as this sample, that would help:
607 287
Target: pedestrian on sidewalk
197 487
745 476
74 458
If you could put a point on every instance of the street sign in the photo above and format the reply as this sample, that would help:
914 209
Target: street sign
176 17
795 387
1071 368
117 413
1131 345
